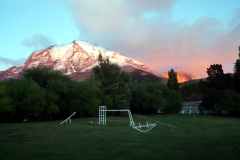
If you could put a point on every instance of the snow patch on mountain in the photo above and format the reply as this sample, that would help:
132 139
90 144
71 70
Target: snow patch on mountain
78 56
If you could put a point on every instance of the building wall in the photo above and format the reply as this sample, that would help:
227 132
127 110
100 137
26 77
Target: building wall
190 107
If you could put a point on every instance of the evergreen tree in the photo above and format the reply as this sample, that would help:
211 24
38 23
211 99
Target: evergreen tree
172 81
114 82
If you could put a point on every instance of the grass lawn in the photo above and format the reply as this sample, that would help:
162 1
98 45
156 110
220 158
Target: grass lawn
175 137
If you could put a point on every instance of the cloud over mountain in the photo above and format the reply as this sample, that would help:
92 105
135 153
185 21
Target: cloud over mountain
11 62
38 41
147 31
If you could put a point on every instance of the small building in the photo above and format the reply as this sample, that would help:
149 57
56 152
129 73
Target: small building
190 107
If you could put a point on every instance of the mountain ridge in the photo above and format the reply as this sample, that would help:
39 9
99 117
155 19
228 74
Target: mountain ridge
75 58
181 76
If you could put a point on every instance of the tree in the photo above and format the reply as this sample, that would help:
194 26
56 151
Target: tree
236 75
42 75
214 70
148 97
28 99
51 108
213 88
191 92
114 82
6 107
173 81
90 97
173 101
56 88
230 102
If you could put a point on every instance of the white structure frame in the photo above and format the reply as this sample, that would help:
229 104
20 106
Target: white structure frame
69 118
103 119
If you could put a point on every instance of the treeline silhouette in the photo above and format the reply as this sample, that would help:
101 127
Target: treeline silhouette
219 92
46 94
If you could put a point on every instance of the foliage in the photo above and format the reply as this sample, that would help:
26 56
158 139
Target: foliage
6 107
86 98
212 89
114 82
173 99
44 94
190 92
146 97
56 86
150 97
216 89
71 96
214 70
230 102
28 98
172 80
42 75
236 76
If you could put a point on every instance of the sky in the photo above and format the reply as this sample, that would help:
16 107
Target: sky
186 35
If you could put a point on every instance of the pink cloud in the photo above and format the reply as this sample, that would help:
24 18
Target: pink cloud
159 42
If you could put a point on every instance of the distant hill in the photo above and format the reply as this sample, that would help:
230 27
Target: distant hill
190 90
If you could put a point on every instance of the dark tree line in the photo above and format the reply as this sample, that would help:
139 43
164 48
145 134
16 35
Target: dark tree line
45 94
152 97
221 92
114 83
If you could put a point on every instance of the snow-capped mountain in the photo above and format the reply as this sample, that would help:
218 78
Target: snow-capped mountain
75 59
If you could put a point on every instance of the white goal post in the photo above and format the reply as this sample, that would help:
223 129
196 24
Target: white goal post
102 119
103 110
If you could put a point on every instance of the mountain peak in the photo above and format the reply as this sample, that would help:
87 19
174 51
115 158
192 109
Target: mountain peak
181 76
75 57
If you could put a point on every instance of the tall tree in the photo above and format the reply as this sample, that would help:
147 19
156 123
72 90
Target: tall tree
214 70
236 75
172 80
213 88
114 82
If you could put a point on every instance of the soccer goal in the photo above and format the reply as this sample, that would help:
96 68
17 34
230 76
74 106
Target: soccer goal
141 128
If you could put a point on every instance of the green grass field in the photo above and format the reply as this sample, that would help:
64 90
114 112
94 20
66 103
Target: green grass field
175 137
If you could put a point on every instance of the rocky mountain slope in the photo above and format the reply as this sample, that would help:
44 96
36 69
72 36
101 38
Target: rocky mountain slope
182 76
76 60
